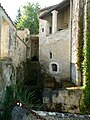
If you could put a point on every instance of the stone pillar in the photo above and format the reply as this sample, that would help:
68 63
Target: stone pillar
54 21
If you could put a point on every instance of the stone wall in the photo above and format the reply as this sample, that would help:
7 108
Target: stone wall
77 10
74 12
12 50
33 50
62 100
58 45
7 75
5 31
4 38
10 45
55 48
19 54
5 65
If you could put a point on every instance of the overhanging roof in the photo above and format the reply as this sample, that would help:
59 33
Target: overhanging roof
58 7
7 15
47 8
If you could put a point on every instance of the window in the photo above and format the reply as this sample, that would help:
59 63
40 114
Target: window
42 29
50 30
50 55
54 67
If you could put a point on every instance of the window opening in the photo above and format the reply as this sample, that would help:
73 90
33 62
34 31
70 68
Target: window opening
50 55
54 67
42 29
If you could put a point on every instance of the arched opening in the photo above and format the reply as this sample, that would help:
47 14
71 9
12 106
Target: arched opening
54 67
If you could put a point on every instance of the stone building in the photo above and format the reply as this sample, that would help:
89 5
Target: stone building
59 34
62 51
13 50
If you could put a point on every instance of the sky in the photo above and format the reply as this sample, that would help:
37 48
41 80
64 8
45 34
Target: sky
11 6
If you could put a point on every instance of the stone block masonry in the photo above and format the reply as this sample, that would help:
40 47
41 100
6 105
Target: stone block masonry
62 100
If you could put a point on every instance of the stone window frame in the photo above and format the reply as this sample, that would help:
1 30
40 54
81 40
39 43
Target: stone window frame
50 68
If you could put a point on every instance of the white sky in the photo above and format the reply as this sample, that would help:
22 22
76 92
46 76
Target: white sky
11 6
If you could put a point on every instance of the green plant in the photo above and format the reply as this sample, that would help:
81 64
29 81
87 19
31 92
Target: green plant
80 44
24 95
19 93
28 18
80 53
9 99
87 66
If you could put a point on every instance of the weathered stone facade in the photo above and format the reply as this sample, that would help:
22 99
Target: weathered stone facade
59 37
68 100
20 54
58 47
62 28
77 12
13 49
54 43
33 50
11 46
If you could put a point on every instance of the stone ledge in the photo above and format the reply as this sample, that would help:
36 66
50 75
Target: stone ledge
64 100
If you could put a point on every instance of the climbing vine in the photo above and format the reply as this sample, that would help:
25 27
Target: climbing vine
80 44
87 67
80 55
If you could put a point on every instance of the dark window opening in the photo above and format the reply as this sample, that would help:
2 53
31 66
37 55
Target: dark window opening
50 55
60 29
50 30
42 29
54 67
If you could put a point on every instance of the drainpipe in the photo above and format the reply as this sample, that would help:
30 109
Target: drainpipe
71 10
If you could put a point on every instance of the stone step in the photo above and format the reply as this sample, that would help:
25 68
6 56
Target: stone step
31 117
61 116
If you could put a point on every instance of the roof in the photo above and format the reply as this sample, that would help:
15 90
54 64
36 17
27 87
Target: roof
47 8
57 7
7 15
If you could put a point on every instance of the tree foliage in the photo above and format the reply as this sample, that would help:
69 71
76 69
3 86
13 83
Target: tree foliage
18 16
29 18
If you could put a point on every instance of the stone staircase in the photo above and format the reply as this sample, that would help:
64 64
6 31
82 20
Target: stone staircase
57 116
20 113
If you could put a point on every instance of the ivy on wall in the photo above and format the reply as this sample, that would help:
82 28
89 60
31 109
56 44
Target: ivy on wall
80 44
80 55
87 67
83 55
